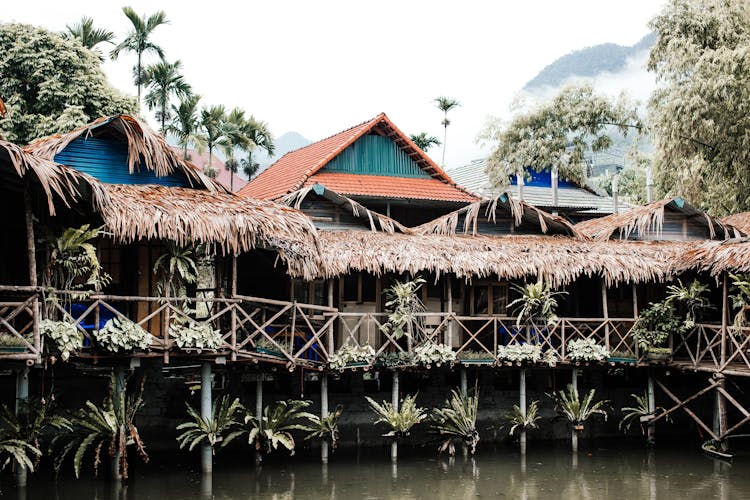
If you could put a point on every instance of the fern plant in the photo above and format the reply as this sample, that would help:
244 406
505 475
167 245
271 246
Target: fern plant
457 420
536 300
692 297
73 263
404 306
577 410
401 421
740 300
275 426
35 418
636 412
217 431
516 419
175 269
108 427
19 451
325 427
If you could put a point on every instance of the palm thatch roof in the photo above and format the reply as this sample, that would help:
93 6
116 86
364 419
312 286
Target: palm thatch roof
3 109
232 223
56 181
649 219
376 221
465 219
146 149
557 259
740 221
731 255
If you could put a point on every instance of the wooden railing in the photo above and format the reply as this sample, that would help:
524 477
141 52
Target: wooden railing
19 322
706 347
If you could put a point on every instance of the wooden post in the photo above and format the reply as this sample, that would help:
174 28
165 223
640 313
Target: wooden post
233 337
605 311
165 330
720 412
724 316
554 181
635 301
449 296
324 414
330 327
394 403
206 454
522 406
31 244
651 429
22 397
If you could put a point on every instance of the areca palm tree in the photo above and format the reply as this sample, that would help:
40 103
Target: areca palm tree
185 124
260 137
235 137
424 141
89 36
164 81
213 125
445 104
138 40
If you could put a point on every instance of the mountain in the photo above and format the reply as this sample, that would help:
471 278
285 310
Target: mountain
289 141
589 62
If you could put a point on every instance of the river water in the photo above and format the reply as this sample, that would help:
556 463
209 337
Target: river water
611 470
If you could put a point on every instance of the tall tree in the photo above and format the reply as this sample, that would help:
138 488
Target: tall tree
260 137
557 133
424 141
234 138
85 32
213 124
185 124
445 104
50 84
700 112
164 81
137 40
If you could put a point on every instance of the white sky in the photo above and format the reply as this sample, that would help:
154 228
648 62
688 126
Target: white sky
320 67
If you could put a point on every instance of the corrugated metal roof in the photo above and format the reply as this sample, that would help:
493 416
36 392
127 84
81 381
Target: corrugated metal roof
570 199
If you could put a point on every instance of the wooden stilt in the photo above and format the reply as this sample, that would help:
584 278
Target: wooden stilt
206 455
605 312
522 406
394 403
233 337
449 308
22 397
258 409
31 246
330 327
324 414
721 412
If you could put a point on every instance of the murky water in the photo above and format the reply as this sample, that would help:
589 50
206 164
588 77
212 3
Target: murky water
554 473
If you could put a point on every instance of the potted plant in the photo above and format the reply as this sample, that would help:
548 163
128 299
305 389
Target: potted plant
740 300
221 428
65 336
519 353
399 422
516 420
193 335
429 353
536 301
638 412
404 308
577 411
586 350
326 428
692 298
457 420
470 357
121 334
275 425
652 331
265 346
11 343
349 356
395 359
622 356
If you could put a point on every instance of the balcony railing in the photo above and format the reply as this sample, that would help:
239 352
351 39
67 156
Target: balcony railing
19 323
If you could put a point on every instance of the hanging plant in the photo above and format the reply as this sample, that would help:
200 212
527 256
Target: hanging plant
693 299
517 353
537 300
431 353
404 306
122 335
586 350
195 335
72 262
65 336
740 300
349 354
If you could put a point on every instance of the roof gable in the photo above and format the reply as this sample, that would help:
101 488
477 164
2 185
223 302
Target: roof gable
374 154
295 169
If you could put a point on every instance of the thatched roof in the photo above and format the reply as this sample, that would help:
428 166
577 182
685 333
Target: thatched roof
376 221
740 221
557 259
648 219
731 255
55 180
221 220
464 220
146 149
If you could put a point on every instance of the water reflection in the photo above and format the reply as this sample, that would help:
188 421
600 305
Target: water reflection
540 473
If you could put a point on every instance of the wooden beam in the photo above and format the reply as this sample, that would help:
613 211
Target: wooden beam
682 404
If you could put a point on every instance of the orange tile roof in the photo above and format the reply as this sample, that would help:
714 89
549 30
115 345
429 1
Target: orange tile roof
390 187
296 168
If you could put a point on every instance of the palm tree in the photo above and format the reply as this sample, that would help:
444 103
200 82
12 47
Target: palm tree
213 124
260 137
185 124
424 141
89 36
235 128
164 81
137 40
445 104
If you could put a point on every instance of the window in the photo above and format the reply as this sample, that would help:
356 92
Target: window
110 259
309 292
488 298
360 287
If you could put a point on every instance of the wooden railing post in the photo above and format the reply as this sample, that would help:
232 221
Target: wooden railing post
605 311
233 335
724 317
449 296
330 327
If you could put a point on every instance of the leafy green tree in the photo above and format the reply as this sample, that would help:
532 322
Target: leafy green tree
557 133
184 123
89 36
631 184
424 141
235 137
164 81
51 85
260 137
138 41
700 112
445 104
213 124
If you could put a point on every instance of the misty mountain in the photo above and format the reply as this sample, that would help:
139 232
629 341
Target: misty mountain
589 62
285 143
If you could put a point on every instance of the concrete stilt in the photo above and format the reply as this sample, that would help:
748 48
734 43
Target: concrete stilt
574 433
258 409
394 403
22 396
119 388
651 430
207 459
574 379
464 382
522 406
324 414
